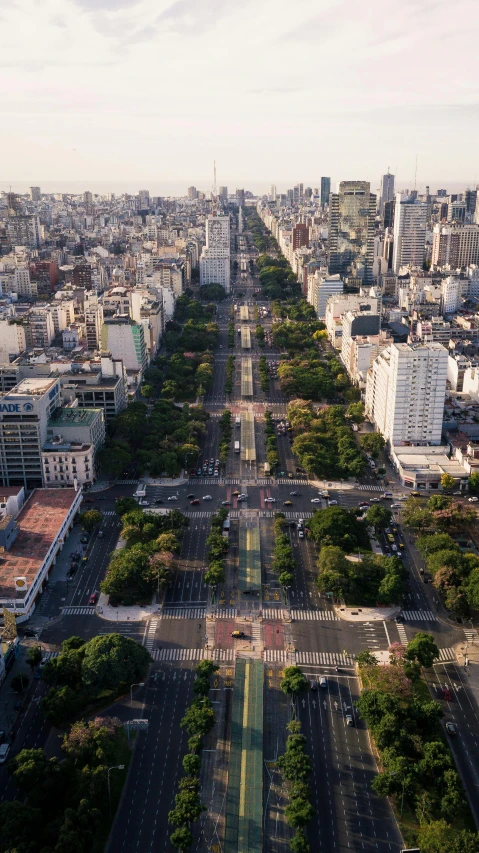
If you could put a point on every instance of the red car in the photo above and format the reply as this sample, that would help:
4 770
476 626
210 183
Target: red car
195 502
93 598
446 694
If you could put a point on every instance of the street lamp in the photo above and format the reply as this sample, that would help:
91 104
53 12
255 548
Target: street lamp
135 684
116 767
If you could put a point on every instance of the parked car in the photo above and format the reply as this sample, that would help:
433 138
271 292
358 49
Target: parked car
473 500
4 750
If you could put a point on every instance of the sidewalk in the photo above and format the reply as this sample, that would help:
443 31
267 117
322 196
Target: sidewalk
366 614
468 651
135 613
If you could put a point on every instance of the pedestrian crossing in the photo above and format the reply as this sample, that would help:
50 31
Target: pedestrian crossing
370 487
274 613
150 634
78 611
226 655
275 656
292 482
127 482
227 613
109 512
200 514
402 634
324 658
207 481
418 615
313 615
229 481
49 655
183 613
471 635
446 655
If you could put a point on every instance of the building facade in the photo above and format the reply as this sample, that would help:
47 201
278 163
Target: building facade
352 214
410 219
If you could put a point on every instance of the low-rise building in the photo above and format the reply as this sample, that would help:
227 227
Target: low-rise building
421 468
67 464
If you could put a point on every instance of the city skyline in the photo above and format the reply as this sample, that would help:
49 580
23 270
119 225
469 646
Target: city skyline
94 91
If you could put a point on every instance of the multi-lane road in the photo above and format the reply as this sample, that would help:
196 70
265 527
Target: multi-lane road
302 629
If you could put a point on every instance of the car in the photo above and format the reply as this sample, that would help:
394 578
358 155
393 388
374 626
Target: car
217 462
236 493
237 634
387 496
194 502
173 498
2 736
4 750
300 534
190 497
364 507
399 618
332 503
210 472
207 498
159 501
447 695
415 494
144 503
295 494
225 503
314 685
89 500
323 681
242 497
457 494
30 632
287 503
396 506
270 500
451 729
374 500
315 500
390 538
372 464
473 500
349 720
325 494
198 472
290 476
93 598
84 540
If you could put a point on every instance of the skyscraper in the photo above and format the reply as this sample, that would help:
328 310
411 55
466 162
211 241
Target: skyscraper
272 193
410 218
215 256
325 190
223 193
387 191
144 199
352 214
35 193
192 193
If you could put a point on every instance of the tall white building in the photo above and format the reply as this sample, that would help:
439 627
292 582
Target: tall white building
320 287
451 288
410 220
12 339
272 193
215 257
405 392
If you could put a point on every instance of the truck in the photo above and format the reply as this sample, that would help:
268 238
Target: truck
237 447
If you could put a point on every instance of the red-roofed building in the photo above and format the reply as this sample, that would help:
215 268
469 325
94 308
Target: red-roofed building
30 543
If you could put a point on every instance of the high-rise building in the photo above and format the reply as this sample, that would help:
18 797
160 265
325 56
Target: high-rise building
352 215
192 193
300 236
410 219
405 392
144 199
215 256
456 211
320 288
24 231
35 193
325 191
387 191
470 197
125 340
455 246
223 193
388 215
88 202
240 198
272 193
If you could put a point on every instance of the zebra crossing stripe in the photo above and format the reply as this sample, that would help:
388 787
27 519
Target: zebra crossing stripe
366 487
49 655
402 634
127 482
274 613
314 615
418 615
150 634
446 654
226 655
275 656
78 611
109 512
184 613
324 658
227 613
470 635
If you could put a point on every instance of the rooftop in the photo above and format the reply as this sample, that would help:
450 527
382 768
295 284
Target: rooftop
33 386
39 523
74 417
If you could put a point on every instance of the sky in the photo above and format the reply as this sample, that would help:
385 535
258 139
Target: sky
277 92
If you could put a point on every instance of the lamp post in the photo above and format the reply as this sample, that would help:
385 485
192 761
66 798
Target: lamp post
116 767
135 684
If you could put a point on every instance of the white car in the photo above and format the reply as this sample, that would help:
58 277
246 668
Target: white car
243 497
374 500
332 503
270 500
173 498
206 498
315 500
473 500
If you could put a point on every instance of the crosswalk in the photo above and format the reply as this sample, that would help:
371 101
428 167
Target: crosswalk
313 615
471 635
200 514
369 487
226 655
183 613
275 613
418 615
226 613
292 482
150 634
205 481
275 656
324 658
402 634
127 482
49 655
446 654
231 481
109 512
78 611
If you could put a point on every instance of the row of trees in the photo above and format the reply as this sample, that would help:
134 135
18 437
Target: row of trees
263 373
416 764
367 580
85 673
230 373
259 332
297 336
231 335
146 564
313 377
217 549
293 309
198 722
295 765
283 561
324 444
262 239
271 443
226 430
455 572
277 278
64 805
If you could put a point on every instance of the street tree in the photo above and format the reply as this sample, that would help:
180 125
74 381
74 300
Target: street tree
294 682
91 519
34 656
447 481
373 443
423 649
378 516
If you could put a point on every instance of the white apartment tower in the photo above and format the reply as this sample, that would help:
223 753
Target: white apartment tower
215 256
410 220
405 392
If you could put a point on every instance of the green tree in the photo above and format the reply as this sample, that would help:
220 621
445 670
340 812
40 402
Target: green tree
294 682
191 764
111 660
378 516
355 413
199 718
182 838
59 704
473 483
34 656
447 482
20 682
373 443
91 519
30 768
366 658
299 843
299 812
338 526
20 824
124 505
422 649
